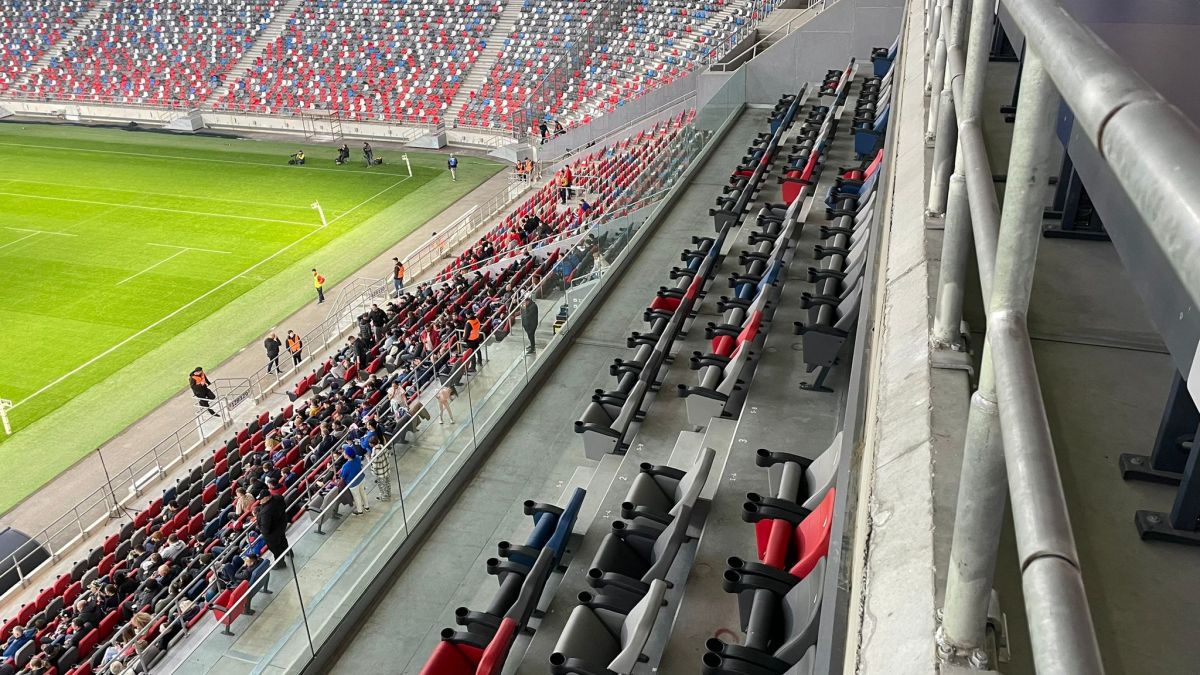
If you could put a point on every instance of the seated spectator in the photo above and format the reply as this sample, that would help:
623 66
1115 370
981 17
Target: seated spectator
20 635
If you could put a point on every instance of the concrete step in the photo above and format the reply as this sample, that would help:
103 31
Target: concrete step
80 25
267 36
476 77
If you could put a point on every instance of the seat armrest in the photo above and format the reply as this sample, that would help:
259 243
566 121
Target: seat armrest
531 508
599 579
662 470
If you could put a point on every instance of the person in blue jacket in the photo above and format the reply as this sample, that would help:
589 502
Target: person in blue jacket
352 476
20 636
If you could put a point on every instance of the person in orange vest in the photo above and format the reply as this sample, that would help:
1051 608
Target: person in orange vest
398 276
319 284
295 347
202 389
474 335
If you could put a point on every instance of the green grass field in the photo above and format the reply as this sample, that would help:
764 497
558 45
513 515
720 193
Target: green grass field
126 258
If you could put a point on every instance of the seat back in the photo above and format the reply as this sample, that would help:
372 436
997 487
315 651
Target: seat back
800 615
635 631
812 536
666 547
688 488
819 475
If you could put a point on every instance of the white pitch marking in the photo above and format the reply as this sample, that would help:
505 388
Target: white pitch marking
22 229
205 198
343 214
156 208
187 159
17 241
154 325
189 248
168 258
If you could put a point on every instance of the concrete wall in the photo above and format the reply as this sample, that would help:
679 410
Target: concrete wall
635 115
844 29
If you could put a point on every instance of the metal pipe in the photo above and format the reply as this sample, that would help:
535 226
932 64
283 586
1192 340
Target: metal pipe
1153 148
942 117
952 272
956 237
935 22
978 517
945 140
937 75
1043 530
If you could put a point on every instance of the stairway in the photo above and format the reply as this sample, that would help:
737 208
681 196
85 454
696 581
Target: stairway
266 37
82 23
477 75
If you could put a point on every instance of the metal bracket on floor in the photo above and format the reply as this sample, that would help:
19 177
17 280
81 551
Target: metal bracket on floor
1156 526
955 357
960 661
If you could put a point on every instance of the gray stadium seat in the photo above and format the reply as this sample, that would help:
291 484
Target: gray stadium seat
602 640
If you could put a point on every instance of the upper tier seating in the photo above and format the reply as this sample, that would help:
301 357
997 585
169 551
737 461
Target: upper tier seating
30 28
162 52
367 59
572 61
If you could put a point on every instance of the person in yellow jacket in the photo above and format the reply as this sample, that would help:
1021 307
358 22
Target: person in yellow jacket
319 284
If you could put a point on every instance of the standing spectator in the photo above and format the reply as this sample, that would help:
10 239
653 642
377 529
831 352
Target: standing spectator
202 389
443 396
272 345
382 469
544 131
398 276
270 517
351 474
295 347
319 284
452 163
474 336
529 322
368 154
563 189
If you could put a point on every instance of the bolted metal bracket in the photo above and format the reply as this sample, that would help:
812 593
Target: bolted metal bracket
1156 526
1138 467
958 660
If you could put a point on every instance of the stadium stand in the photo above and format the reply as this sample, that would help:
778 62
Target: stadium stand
163 53
570 62
297 451
29 29
366 60
612 179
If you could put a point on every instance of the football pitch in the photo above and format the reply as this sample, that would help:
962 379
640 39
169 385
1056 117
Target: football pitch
127 258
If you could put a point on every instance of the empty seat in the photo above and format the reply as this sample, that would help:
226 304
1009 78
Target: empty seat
598 638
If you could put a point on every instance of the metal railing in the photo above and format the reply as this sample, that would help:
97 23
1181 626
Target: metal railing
793 24
123 488
1154 153
302 613
120 492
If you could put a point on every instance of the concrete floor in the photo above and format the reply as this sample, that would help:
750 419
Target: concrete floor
1104 374
541 458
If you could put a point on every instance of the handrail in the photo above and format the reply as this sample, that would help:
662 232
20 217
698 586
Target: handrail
1153 151
79 521
172 603
603 139
739 60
